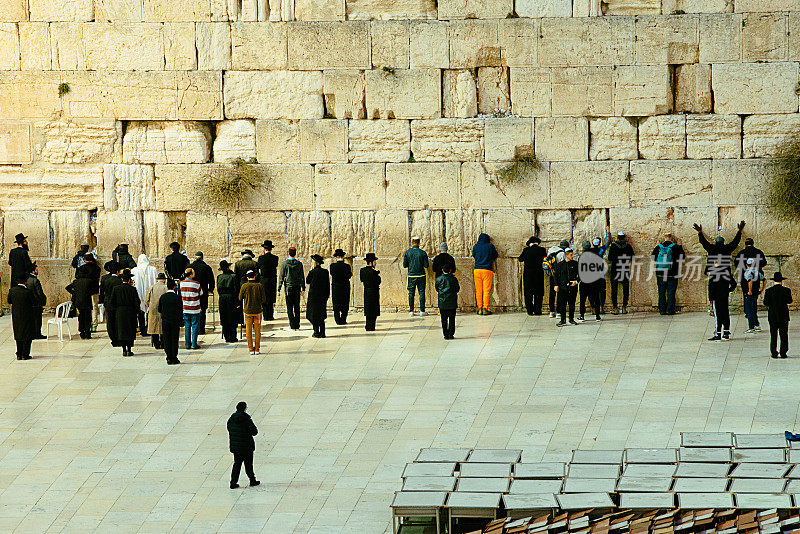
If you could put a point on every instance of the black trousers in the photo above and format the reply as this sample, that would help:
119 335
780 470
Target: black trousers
369 322
270 286
229 330
626 288
23 348
293 307
590 292
448 322
85 322
666 294
722 315
566 299
601 294
341 307
552 299
533 291
268 311
240 458
319 328
340 315
201 328
156 340
775 330
170 334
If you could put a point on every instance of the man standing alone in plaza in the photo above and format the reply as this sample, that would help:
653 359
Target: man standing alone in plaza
293 277
268 269
416 261
241 430
777 299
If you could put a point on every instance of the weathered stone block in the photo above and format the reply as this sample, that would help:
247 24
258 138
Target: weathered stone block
589 184
693 89
518 42
720 38
583 91
684 218
537 9
493 91
587 41
208 232
671 183
642 90
550 133
379 141
329 45
213 45
66 45
43 189
15 142
34 224
503 137
483 188
323 141
115 227
474 43
530 92
509 230
235 140
13 10
56 10
765 6
310 233
429 45
474 9
118 10
428 225
124 46
87 141
180 52
460 93
462 228
447 140
349 186
390 44
250 228
669 7
441 191
166 142
353 232
612 138
631 7
586 225
765 37
663 137
166 10
713 136
162 228
34 46
344 94
755 88
319 10
794 36
273 95
767 135
390 9
129 187
69 230
737 182
277 141
553 226
258 46
405 94
669 40
644 228
391 233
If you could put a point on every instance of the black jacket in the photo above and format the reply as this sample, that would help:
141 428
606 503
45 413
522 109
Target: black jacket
175 264
123 257
341 273
441 261
107 284
268 266
777 299
85 285
241 430
620 258
319 291
204 275
22 312
20 263
566 272
171 309
720 254
740 261
124 303
532 258
35 285
371 278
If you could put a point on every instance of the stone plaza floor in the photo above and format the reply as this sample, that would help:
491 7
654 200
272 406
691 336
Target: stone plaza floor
92 441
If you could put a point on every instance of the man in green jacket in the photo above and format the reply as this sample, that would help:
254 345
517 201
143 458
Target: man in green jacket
416 261
292 276
447 287
253 296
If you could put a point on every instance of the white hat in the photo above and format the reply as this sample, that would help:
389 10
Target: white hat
620 234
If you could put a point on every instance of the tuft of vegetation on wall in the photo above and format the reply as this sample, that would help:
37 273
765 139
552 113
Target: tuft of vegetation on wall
229 186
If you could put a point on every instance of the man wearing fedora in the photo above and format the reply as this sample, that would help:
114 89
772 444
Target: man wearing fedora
268 269
151 300
777 299
170 308
341 273
228 302
371 278
319 290
39 300
19 259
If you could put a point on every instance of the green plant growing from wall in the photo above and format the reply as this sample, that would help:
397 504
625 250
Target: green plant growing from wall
524 163
783 192
63 88
229 186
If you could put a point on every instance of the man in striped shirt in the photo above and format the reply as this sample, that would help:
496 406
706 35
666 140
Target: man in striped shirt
190 295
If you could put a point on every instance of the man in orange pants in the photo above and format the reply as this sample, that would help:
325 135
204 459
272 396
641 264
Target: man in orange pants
485 255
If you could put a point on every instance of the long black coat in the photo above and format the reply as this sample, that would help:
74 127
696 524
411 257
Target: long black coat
777 299
268 269
20 263
371 278
83 289
107 285
22 312
341 273
531 258
241 430
228 298
171 309
124 300
39 298
319 291
175 264
204 275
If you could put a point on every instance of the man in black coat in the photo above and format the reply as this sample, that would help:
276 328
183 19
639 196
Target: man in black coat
170 307
175 263
620 259
39 300
240 268
19 259
22 317
319 290
532 257
371 278
107 284
341 273
80 258
204 275
86 285
777 299
566 286
740 262
240 437
229 303
268 269
123 257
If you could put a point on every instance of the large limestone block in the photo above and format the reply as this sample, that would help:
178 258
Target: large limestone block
208 232
273 95
684 218
34 46
612 138
589 184
186 11
474 43
671 40
235 140
15 142
323 141
66 45
13 10
441 185
447 139
118 10
531 91
765 6
87 141
774 234
553 226
213 45
460 93
37 188
34 224
519 39
644 228
737 182
124 46
129 187
258 46
404 94
493 91
509 230
394 294
349 186
166 142
584 91
69 230
483 188
765 37
663 137
379 141
562 138
693 89
390 44
9 46
319 10
631 7
475 9
115 227
162 228
180 52
587 41
536 9
794 36
642 90
754 88
713 136
61 10
277 141
329 45
353 232
310 232
250 228
671 183
391 233
720 38
390 9
504 137
462 228
428 225
768 135
586 225
429 45
344 94
696 6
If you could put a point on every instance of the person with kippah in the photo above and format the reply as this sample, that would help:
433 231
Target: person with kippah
293 278
416 261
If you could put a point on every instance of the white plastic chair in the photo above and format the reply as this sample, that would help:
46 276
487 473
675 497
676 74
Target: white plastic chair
61 319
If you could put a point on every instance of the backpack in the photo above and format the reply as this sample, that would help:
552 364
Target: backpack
664 259
549 264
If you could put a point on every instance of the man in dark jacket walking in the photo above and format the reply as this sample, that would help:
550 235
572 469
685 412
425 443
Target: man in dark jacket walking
170 307
341 273
371 278
204 275
620 259
319 290
447 287
175 263
240 438
485 255
777 299
39 300
268 269
19 259
293 278
531 258
22 317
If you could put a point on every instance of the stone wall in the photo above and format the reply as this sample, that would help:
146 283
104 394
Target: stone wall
373 120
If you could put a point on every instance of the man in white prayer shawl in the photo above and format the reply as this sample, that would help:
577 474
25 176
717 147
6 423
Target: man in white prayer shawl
144 276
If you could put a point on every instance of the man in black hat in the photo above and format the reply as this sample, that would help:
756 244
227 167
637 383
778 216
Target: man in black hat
19 259
204 275
171 309
531 258
175 263
268 269
22 317
777 299
85 287
107 284
341 273
228 302
371 278
123 257
319 290
39 300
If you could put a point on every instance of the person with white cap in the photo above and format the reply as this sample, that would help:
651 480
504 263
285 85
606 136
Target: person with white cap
620 259
441 260
416 261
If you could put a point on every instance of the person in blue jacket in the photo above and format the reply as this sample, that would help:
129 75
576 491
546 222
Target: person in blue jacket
485 255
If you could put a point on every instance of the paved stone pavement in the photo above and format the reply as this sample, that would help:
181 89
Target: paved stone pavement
90 440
